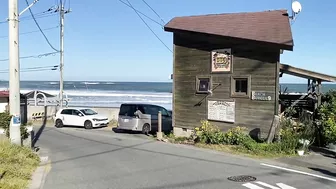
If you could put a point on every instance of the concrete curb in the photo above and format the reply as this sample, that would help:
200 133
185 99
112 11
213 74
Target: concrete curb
40 174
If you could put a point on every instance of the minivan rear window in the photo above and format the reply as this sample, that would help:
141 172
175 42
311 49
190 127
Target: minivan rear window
127 110
130 109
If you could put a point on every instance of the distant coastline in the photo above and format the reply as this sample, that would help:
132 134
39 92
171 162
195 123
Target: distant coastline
113 93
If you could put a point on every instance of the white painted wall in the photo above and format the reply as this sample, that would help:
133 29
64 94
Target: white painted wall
3 104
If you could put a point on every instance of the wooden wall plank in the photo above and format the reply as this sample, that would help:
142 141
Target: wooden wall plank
192 58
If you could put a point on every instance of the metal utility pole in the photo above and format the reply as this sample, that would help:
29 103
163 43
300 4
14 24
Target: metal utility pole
61 51
14 72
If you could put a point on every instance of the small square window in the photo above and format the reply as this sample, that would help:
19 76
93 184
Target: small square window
240 86
203 84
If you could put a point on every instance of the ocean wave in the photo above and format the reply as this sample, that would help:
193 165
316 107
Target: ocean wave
53 83
90 83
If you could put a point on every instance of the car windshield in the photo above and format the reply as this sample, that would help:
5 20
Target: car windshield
88 112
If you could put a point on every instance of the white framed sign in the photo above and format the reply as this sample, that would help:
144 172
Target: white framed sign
221 110
221 61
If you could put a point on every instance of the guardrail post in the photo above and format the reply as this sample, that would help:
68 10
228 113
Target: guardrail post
159 133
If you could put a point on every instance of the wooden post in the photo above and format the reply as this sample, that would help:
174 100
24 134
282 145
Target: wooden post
277 89
273 129
309 87
159 133
319 93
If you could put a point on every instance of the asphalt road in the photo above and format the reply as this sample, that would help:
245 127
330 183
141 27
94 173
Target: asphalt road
84 159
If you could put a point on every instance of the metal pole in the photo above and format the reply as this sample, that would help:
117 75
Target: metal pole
61 51
14 72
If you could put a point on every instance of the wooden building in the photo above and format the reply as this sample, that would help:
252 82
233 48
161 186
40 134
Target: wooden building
226 69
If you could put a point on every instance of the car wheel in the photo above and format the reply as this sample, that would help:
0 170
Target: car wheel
146 129
88 125
59 123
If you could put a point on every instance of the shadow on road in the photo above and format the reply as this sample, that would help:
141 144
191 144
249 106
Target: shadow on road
119 131
39 132
323 171
133 147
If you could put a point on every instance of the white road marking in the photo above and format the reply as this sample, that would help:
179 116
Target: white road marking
279 186
284 186
252 186
300 172
267 185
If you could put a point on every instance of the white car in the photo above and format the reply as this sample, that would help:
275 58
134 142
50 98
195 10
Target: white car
80 117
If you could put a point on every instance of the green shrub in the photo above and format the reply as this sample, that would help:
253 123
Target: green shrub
5 119
208 134
326 118
211 134
289 138
236 136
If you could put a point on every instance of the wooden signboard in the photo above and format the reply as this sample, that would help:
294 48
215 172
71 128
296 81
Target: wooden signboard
221 61
263 96
221 110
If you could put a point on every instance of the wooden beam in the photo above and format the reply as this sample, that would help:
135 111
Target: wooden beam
306 73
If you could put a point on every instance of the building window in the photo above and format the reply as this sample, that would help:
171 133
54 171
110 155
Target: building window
203 84
241 86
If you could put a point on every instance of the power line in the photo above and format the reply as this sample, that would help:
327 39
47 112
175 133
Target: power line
141 13
34 68
154 11
37 70
31 13
49 11
149 26
24 33
39 15
33 56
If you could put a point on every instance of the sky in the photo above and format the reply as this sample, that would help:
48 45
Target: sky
106 41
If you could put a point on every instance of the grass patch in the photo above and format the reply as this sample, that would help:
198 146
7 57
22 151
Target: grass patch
16 165
240 150
259 150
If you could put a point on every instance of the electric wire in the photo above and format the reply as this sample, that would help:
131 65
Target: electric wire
34 68
35 31
154 11
33 56
31 13
153 20
149 26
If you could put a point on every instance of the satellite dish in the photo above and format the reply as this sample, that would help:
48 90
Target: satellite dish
296 7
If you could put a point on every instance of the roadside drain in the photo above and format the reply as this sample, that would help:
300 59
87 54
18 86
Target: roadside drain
242 178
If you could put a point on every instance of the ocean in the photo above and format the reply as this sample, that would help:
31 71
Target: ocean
112 94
